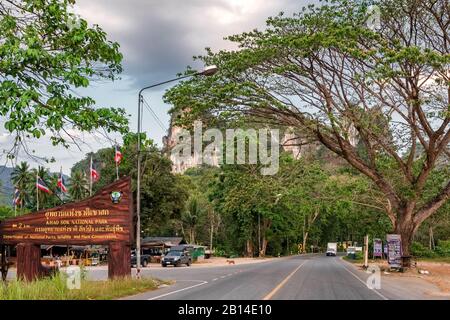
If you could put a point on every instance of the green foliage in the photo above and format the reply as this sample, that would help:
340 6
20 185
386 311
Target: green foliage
44 55
418 250
324 72
163 194
443 248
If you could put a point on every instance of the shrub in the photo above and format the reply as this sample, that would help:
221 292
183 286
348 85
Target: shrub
418 250
443 248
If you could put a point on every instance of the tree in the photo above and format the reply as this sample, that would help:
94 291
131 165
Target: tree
46 52
332 77
163 194
78 189
191 216
21 177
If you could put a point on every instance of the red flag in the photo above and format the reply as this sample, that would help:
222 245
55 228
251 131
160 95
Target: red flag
61 183
41 185
117 155
94 173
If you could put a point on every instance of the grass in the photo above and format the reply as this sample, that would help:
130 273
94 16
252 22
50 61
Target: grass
347 258
56 289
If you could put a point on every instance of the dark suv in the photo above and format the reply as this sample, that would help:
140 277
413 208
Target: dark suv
176 259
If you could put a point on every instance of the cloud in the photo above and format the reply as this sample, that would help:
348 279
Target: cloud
159 38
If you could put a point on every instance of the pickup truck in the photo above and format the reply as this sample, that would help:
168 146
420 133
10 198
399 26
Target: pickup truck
145 259
176 259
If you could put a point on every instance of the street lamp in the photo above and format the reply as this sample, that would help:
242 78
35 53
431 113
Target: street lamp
207 71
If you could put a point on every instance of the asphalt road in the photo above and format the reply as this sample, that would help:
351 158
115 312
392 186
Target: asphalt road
300 277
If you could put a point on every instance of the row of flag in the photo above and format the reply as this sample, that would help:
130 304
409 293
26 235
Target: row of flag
61 184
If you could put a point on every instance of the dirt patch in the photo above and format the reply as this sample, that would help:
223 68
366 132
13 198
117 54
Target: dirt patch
437 273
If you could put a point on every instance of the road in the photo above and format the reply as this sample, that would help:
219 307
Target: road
312 277
300 277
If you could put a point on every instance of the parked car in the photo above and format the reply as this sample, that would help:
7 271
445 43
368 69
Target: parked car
145 259
176 258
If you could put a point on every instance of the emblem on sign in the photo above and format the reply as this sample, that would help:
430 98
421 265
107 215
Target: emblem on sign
116 196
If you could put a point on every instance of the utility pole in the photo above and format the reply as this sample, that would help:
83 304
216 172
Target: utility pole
90 178
207 71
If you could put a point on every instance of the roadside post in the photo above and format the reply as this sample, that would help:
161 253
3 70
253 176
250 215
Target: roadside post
366 251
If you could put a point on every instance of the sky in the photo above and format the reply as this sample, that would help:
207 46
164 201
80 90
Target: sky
158 39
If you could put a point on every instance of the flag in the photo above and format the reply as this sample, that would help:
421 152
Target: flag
41 185
16 200
117 155
61 183
94 173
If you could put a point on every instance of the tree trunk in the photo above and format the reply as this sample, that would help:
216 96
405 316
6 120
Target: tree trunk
431 238
264 247
305 239
249 248
405 227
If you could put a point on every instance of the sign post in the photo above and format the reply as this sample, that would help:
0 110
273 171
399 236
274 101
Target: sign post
377 248
103 219
394 243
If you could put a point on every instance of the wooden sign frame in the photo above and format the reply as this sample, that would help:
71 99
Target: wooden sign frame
103 219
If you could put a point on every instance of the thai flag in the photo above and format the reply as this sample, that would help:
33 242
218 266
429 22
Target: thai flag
61 183
16 200
94 173
41 185
117 155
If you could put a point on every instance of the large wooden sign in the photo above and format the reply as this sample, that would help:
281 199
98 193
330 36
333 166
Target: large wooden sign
106 217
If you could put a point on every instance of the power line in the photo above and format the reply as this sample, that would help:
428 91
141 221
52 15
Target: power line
155 116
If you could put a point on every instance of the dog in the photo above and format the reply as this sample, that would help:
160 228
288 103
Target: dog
230 261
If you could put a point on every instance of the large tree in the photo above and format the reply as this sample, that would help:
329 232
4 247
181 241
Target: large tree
333 76
45 53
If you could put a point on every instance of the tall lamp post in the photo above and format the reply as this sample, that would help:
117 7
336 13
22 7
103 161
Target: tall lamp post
207 71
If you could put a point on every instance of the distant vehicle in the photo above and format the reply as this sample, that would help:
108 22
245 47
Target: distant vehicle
176 258
145 259
351 250
331 249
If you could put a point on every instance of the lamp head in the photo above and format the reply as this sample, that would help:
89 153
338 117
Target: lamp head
209 70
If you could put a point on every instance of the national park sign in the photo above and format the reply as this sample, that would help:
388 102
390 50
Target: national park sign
103 219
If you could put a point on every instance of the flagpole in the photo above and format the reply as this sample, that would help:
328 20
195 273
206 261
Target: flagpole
115 159
90 179
37 192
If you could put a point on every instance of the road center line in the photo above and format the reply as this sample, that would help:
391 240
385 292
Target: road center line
365 284
176 291
282 283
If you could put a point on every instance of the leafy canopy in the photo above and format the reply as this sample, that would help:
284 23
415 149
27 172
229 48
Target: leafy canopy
45 53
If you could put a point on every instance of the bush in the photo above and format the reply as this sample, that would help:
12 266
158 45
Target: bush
443 248
418 250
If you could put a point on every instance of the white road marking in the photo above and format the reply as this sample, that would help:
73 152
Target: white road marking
180 290
363 282
215 279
